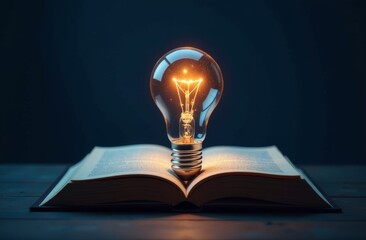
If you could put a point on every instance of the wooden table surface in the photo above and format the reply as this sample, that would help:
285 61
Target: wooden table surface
21 185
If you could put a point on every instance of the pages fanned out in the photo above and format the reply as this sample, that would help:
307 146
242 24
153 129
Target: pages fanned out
264 160
144 159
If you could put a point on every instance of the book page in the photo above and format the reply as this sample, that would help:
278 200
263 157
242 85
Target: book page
61 184
144 159
264 160
306 178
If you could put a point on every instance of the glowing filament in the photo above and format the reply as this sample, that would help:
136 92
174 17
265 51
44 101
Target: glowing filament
187 89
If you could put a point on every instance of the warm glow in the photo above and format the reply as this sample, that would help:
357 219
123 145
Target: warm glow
186 85
187 90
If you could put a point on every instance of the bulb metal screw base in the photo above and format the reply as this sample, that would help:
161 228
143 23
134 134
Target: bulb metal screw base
187 160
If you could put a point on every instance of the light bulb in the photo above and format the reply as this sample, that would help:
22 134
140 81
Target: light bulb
186 85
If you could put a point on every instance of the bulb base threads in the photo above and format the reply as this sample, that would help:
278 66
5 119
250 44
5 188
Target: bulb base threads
187 160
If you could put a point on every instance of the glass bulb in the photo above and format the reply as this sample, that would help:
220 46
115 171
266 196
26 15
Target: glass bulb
186 84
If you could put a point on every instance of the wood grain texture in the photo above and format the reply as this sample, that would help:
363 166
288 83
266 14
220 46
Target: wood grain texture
21 185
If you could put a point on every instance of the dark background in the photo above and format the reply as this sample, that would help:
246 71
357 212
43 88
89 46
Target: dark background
75 74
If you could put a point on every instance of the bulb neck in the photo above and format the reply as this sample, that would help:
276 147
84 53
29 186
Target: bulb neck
187 160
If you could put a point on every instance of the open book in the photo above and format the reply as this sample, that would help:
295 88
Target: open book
142 173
